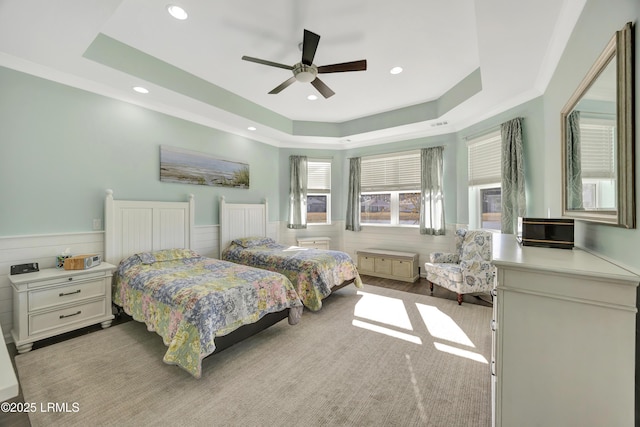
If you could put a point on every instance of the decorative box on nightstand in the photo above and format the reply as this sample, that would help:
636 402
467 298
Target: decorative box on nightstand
53 301
314 242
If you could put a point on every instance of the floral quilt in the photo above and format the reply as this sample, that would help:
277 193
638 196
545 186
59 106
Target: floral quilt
189 299
313 272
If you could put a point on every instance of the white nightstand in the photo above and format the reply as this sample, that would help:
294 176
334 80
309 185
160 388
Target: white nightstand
315 242
53 301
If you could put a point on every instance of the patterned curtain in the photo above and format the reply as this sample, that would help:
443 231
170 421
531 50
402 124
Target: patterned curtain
513 196
431 194
573 163
353 197
297 192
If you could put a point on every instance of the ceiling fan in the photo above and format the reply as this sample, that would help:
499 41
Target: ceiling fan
306 71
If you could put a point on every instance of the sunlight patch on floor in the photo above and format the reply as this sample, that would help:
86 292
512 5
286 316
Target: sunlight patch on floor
377 310
381 309
442 326
460 352
386 331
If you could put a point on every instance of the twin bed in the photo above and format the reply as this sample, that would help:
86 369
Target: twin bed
200 305
314 273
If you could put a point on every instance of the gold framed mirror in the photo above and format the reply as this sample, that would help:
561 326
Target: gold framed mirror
598 139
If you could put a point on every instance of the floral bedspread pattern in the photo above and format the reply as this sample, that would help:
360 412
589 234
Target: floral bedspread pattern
312 271
189 300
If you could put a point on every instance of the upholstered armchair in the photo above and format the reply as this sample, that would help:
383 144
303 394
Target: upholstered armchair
469 270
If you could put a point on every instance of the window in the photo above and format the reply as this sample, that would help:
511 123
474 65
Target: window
318 192
485 177
597 153
390 190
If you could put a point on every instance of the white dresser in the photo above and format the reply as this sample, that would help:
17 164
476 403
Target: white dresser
563 338
53 301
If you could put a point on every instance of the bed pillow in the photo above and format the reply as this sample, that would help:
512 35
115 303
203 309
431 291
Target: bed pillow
166 255
250 242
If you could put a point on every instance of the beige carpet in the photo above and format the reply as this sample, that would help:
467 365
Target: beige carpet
337 367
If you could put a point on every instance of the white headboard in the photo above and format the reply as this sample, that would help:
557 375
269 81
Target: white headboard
138 226
241 220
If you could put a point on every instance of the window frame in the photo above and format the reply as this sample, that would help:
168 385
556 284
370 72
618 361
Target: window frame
324 193
394 186
487 180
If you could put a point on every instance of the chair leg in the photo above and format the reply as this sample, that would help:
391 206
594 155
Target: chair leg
430 286
459 299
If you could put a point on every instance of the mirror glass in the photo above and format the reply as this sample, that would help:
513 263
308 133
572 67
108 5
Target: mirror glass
597 140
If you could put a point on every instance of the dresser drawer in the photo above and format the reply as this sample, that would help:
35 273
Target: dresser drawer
65 294
43 322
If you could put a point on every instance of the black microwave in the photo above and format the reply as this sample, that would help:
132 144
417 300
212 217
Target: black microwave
546 232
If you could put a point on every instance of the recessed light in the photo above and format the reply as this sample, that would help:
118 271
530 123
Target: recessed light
396 70
252 128
312 97
141 89
177 12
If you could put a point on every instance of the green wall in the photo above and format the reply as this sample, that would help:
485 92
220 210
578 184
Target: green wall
599 21
62 147
534 151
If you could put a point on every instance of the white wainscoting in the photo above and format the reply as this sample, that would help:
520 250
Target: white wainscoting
333 231
43 249
404 239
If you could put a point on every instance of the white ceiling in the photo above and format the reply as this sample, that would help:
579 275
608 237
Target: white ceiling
515 44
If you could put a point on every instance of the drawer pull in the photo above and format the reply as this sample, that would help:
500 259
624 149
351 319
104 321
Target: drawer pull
70 278
62 294
63 316
493 368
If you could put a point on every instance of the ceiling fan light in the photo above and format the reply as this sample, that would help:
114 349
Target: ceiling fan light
305 73
141 89
312 97
396 70
177 12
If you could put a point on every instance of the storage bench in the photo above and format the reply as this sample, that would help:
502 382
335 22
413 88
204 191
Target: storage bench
389 264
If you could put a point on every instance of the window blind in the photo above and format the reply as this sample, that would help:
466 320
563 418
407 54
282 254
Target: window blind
485 159
597 148
400 171
318 177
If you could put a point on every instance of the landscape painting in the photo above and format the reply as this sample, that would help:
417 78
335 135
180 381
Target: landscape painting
191 167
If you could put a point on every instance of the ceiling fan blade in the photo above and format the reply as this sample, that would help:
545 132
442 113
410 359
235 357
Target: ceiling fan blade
265 62
283 85
343 67
309 46
322 88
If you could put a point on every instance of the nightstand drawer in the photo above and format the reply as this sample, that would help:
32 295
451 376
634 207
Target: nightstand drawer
42 322
65 294
62 278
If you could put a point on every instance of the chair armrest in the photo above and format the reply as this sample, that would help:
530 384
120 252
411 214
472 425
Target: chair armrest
444 257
